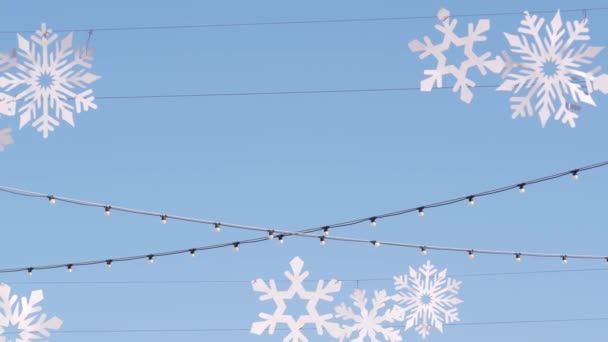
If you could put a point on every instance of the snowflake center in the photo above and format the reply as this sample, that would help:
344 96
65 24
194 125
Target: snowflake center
46 80
550 68
425 299
296 307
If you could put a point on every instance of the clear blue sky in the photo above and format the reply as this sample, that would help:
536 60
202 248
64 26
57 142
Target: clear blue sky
293 162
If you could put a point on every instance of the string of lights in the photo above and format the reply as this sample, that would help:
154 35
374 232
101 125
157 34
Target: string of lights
583 11
373 220
323 239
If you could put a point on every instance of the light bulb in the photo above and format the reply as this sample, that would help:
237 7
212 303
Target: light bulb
423 250
163 219
564 259
322 240
109 264
270 235
471 201
376 243
30 271
373 223
421 212
471 254
217 228
326 231
522 188
70 268
236 246
52 200
575 175
193 252
107 210
518 257
151 259
280 239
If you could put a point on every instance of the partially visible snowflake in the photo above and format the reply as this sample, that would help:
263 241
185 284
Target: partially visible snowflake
5 138
550 69
24 316
46 78
429 298
369 323
474 35
312 316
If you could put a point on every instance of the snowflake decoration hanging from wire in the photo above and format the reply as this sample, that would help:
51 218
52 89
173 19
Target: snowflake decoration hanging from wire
550 69
428 297
483 63
24 316
48 72
312 316
369 322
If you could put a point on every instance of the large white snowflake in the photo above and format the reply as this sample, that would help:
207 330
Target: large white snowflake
549 69
312 316
429 298
48 72
474 35
24 317
369 322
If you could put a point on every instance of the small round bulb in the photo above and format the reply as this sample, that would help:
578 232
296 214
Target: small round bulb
193 252
280 239
236 246
163 219
564 259
471 201
373 223
326 231
575 175
70 268
423 250
471 254
421 212
376 243
107 210
109 264
151 259
270 235
518 257
52 200
30 271
522 188
322 240
217 228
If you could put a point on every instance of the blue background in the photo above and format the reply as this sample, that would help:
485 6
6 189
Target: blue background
295 161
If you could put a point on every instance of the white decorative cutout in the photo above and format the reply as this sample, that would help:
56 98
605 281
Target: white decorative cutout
48 72
549 69
296 278
369 322
5 138
429 299
474 35
24 316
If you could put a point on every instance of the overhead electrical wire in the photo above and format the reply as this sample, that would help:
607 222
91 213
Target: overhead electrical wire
584 11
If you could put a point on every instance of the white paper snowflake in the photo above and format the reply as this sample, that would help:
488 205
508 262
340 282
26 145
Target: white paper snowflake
474 35
24 317
429 298
312 316
549 69
5 138
370 323
46 79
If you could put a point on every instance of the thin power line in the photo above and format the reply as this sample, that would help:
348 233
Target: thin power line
304 22
248 282
221 330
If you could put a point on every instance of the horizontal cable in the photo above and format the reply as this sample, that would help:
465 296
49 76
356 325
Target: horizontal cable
220 330
248 282
583 11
